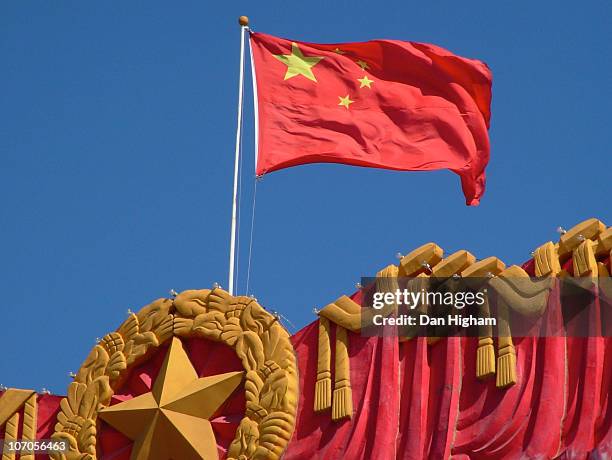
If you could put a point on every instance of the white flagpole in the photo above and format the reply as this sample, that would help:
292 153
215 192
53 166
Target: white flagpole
244 23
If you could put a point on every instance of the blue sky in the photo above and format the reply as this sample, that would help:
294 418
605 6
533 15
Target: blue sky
117 125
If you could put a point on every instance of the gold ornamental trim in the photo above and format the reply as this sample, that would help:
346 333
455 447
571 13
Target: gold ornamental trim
13 403
260 342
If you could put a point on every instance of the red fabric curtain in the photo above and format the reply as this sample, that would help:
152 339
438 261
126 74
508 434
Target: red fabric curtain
372 432
413 400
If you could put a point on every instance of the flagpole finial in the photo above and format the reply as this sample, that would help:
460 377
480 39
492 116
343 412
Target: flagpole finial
243 21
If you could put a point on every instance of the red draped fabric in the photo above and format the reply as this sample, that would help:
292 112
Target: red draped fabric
372 432
561 406
523 421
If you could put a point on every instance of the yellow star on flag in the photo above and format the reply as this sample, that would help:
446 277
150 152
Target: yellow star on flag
345 101
364 65
172 420
365 82
339 51
298 64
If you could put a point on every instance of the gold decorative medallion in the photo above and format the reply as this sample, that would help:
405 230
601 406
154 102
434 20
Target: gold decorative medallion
180 403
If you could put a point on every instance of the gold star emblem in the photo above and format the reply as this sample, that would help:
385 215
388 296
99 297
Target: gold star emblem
298 64
172 420
365 82
339 51
364 65
345 101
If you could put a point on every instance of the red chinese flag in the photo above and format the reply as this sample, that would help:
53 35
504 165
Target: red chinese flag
381 104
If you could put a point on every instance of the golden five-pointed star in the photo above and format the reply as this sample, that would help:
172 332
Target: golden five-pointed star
345 101
365 82
298 64
172 421
364 65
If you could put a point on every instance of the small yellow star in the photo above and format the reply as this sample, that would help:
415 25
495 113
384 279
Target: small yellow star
364 65
339 51
298 64
345 101
365 82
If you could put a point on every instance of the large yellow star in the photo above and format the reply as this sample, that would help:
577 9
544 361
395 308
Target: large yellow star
172 421
298 64
345 101
365 82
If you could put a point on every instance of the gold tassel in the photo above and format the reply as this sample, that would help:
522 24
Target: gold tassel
506 365
343 403
342 406
322 400
485 358
506 355
485 355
